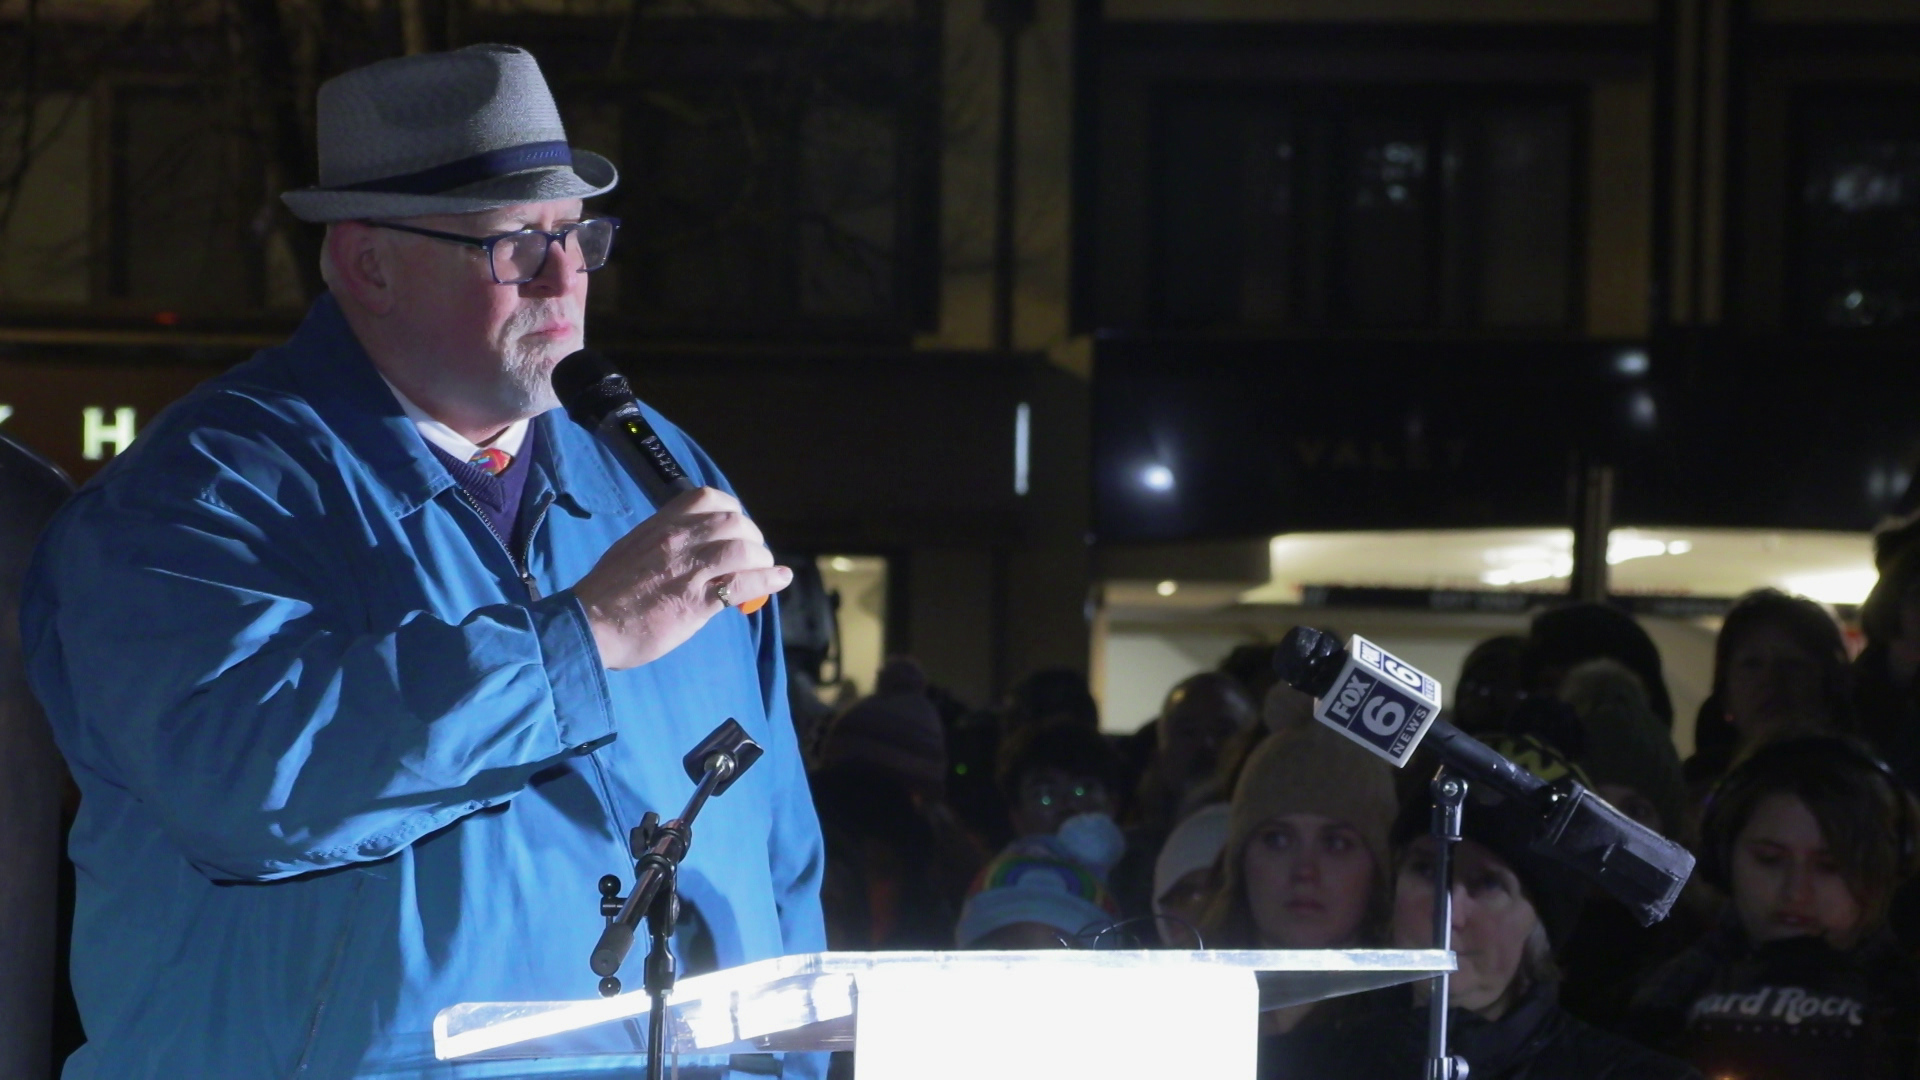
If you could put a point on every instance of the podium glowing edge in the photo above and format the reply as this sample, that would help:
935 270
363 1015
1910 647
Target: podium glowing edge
926 1007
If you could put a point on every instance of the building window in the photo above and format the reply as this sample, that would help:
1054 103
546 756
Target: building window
1409 208
784 184
186 193
1855 236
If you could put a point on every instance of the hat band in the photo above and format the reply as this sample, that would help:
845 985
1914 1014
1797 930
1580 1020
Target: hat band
471 170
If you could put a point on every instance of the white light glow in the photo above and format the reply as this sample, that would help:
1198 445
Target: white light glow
841 564
1022 445
1524 572
1642 409
1156 478
1518 553
492 1025
922 1022
1631 362
1167 588
1833 586
1698 562
1518 564
1051 1013
1623 548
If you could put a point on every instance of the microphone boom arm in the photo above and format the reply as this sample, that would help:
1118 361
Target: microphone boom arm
657 850
1636 865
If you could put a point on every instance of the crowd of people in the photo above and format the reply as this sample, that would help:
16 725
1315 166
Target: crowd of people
1233 820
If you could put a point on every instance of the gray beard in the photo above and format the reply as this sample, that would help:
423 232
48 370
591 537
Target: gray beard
527 367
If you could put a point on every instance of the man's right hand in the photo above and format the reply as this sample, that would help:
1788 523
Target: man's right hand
659 584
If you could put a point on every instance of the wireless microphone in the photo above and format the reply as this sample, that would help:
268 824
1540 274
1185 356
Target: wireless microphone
1388 706
599 399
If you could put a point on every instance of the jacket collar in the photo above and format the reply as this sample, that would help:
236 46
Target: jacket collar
1494 1046
338 379
570 464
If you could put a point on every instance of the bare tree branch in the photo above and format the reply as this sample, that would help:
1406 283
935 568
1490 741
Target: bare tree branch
29 111
268 62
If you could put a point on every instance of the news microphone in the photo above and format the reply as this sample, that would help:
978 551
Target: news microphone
1389 707
1364 692
599 399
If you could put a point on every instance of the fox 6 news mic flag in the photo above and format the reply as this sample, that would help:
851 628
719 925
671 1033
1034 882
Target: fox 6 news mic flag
1382 704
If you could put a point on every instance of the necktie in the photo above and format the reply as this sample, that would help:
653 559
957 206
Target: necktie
492 459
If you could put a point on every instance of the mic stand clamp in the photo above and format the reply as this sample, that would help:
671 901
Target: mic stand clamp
1449 797
662 916
657 848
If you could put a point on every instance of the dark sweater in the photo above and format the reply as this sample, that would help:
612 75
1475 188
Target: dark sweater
1536 1040
1786 1010
496 497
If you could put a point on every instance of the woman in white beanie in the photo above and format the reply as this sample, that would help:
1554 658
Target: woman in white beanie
1183 873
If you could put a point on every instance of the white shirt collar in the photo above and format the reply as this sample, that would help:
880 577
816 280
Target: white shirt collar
452 441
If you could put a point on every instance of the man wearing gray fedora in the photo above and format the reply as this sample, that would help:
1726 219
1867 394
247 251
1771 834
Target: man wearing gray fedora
365 658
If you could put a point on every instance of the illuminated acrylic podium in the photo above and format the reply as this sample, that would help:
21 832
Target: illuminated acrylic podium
933 1015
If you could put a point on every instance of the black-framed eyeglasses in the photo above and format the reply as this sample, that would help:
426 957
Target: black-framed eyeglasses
517 257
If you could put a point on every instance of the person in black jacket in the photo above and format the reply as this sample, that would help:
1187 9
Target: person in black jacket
36 906
1802 980
1779 669
1886 675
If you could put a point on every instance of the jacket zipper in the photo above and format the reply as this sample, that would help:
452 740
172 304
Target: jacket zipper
321 998
520 562
521 566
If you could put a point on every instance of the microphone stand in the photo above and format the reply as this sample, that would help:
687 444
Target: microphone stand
1449 796
658 848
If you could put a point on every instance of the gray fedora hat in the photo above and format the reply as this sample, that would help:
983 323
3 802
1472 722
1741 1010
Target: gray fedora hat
444 133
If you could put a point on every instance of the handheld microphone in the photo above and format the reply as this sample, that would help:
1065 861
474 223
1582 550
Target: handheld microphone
599 399
1388 706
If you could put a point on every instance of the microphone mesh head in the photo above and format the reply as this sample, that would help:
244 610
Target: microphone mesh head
590 387
1308 660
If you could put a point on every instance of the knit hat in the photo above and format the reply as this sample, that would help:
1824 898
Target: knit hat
1285 709
1896 554
1625 743
1309 770
1194 844
897 729
1047 880
1314 770
1566 636
1556 891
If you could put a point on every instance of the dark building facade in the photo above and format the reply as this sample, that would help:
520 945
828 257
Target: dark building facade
1313 265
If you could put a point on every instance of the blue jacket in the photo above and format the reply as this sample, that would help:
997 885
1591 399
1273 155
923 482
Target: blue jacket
341 767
